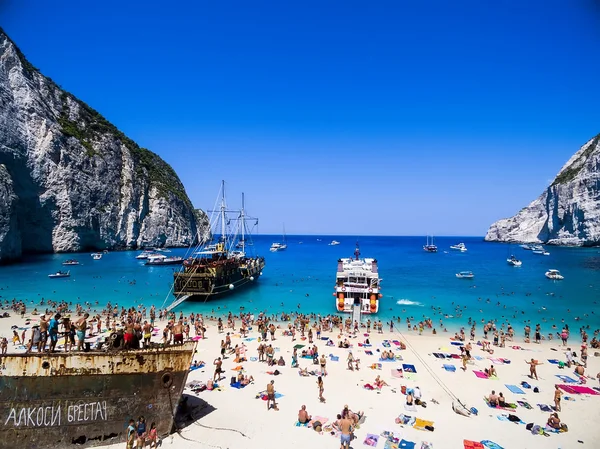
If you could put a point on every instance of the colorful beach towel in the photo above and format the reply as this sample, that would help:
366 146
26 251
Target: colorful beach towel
472 444
420 424
409 368
525 404
514 389
481 374
439 355
386 343
406 444
578 389
369 352
450 368
371 440
544 407
554 361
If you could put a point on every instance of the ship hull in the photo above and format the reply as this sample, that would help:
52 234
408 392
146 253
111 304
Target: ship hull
87 399
205 286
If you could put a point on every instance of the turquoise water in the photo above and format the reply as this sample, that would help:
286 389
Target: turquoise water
414 281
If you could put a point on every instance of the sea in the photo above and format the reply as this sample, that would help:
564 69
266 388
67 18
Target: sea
415 284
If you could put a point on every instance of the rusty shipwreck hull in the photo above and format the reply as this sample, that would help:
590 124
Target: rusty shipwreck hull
86 399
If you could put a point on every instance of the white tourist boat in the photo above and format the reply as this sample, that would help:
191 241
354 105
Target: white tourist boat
96 256
145 254
161 259
430 245
554 275
60 274
276 247
512 260
465 275
527 247
357 282
459 247
334 242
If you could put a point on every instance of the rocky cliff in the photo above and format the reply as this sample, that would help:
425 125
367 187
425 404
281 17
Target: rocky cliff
71 181
567 213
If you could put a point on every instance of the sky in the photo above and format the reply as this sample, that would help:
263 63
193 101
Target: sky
336 117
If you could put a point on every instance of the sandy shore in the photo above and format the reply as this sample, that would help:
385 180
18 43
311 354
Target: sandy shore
231 417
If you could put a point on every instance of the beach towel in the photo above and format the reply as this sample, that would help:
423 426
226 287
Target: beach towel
254 359
406 444
567 379
396 342
369 352
505 418
420 424
454 356
334 358
554 361
457 343
322 419
301 424
497 361
514 389
386 344
397 373
237 385
298 346
481 374
387 360
491 445
544 407
578 389
410 408
376 366
409 368
237 368
450 368
472 445
568 389
405 419
477 357
439 355
264 396
371 440
525 404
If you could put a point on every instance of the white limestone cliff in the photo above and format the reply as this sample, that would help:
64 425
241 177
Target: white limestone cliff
567 213
71 181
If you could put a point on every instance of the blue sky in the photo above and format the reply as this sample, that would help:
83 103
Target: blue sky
389 117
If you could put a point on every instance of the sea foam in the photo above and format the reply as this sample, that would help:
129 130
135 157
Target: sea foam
408 302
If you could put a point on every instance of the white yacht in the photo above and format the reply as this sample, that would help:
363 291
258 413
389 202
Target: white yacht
145 255
357 283
554 275
465 275
276 247
96 256
60 274
334 242
459 247
512 260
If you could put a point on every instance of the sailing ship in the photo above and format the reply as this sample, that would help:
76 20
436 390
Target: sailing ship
430 246
357 283
219 268
275 247
64 400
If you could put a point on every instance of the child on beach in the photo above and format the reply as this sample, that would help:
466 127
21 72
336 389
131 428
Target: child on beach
152 435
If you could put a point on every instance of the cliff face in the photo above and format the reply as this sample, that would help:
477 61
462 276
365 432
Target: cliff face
567 213
71 181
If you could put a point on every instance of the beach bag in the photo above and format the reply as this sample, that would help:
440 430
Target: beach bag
317 426
514 418
233 380
529 426
536 390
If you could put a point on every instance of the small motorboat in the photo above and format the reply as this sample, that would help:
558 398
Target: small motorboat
459 247
71 262
554 275
334 242
465 275
96 256
60 274
160 259
512 260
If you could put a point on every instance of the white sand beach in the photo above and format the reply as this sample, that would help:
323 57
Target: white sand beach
229 417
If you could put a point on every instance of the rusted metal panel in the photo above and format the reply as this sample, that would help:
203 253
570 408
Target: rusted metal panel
87 399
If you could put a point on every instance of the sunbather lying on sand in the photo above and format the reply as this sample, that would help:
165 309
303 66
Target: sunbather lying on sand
380 383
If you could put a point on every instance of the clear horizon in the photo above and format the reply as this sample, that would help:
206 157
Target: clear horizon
342 118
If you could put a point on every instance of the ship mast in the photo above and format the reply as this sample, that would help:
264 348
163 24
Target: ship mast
243 225
223 216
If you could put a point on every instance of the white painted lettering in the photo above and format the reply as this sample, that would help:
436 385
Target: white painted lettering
40 417
47 415
13 415
79 412
22 414
30 412
55 416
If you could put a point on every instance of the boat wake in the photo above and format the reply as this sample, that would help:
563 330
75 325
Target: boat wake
408 302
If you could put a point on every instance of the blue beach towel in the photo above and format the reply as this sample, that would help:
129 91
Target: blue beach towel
409 368
554 361
544 408
386 360
514 389
525 385
450 368
237 385
334 358
567 379
406 444
457 343
491 445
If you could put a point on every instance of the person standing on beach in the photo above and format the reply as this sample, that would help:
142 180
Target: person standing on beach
321 388
345 426
130 435
557 398
53 331
81 326
350 361
271 396
218 362
532 368
323 363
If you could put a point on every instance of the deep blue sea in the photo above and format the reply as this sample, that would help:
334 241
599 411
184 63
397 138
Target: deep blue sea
415 283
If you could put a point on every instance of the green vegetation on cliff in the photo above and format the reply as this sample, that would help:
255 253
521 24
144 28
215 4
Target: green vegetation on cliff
571 172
